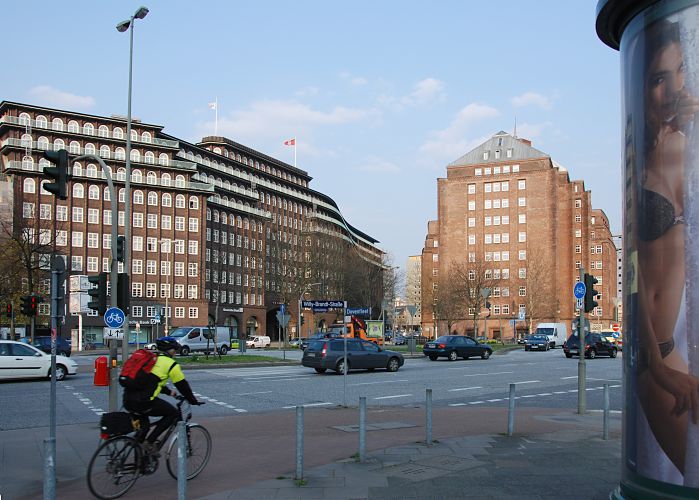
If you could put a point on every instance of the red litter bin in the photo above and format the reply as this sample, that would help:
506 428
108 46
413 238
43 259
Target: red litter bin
101 371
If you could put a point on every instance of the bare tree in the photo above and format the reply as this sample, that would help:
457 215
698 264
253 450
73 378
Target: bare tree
473 278
540 299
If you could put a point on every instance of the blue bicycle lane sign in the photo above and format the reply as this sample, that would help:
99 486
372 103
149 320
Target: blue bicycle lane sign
579 290
114 317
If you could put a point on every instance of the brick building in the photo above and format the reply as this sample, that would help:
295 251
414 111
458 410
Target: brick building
204 217
511 220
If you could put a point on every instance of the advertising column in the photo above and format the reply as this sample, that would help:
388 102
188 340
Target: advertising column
659 47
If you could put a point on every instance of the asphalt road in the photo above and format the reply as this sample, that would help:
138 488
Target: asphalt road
543 379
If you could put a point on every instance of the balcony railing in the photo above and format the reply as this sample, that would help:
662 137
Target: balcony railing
239 206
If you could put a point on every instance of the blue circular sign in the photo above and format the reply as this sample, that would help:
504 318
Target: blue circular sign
579 290
114 317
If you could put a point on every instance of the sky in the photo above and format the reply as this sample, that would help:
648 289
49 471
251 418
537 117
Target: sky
380 95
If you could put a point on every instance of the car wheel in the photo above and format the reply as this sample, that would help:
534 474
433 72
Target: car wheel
452 356
63 353
433 357
321 370
612 354
184 351
223 350
340 367
569 355
485 354
526 348
592 354
61 372
393 365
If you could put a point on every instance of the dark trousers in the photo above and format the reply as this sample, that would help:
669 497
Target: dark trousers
151 408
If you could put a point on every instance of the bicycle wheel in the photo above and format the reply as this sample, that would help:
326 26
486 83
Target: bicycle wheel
198 451
114 467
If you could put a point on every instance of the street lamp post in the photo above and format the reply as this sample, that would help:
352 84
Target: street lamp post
303 292
485 293
122 27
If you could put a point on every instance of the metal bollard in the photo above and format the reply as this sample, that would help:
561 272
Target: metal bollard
49 469
181 461
511 412
428 416
362 429
299 443
605 425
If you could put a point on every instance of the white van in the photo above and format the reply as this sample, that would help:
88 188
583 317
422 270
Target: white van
557 333
258 341
201 338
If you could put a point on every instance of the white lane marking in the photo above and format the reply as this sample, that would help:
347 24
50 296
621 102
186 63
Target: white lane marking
616 412
254 381
545 394
220 403
396 396
477 374
464 388
530 395
566 378
457 404
251 393
476 402
382 382
307 405
494 400
573 390
528 382
603 379
560 392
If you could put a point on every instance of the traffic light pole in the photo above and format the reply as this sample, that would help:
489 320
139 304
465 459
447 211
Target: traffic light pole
113 278
581 353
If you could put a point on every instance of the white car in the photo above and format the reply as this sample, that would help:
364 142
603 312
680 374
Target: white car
258 341
20 360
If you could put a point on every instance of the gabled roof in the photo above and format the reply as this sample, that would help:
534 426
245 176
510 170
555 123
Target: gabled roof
502 141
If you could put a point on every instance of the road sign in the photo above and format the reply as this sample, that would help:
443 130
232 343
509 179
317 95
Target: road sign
358 311
114 317
78 303
522 315
615 327
579 303
113 333
157 318
79 283
579 290
282 308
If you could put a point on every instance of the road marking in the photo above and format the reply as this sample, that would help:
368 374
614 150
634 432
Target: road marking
603 379
616 412
545 394
464 388
530 395
494 400
477 374
257 381
573 390
393 397
527 382
476 402
382 382
457 404
307 405
220 403
566 378
251 393
560 392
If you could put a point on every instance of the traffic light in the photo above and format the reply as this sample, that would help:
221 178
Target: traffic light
123 292
120 248
98 293
59 173
302 320
590 292
58 272
9 309
30 305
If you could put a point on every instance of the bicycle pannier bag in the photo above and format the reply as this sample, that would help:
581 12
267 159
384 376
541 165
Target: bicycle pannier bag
116 423
134 373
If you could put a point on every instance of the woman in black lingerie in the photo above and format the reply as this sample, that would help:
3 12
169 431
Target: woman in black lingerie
669 395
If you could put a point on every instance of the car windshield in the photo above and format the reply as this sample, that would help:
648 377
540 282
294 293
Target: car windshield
444 340
544 331
538 338
180 332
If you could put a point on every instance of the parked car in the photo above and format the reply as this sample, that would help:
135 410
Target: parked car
556 332
258 342
595 344
522 340
399 339
329 354
456 346
20 360
63 346
538 342
296 342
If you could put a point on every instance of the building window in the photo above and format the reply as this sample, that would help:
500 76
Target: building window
179 312
522 184
471 222
471 239
578 203
578 249
522 237
471 205
522 255
193 312
471 189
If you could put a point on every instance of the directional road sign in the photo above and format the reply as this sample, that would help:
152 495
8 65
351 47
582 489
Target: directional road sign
579 290
114 317
113 333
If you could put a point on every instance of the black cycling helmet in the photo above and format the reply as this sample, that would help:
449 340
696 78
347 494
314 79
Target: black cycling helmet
166 343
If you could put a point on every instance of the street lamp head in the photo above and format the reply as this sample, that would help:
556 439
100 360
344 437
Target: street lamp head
123 26
141 13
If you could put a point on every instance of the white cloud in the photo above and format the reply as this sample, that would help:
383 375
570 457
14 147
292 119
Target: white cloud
532 99
356 81
424 93
272 121
453 141
532 130
375 164
309 91
48 96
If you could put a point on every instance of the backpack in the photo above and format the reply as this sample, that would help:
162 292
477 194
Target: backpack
134 373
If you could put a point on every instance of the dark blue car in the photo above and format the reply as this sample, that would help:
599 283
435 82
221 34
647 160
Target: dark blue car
63 346
453 347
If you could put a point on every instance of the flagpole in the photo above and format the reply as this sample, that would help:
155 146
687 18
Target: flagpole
216 122
294 151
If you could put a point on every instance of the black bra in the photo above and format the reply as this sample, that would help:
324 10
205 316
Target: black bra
657 215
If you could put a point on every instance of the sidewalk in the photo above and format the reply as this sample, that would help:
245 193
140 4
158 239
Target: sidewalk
553 453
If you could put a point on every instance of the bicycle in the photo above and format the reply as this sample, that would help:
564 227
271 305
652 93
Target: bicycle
120 460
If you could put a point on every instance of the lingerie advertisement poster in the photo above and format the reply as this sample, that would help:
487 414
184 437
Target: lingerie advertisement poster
659 52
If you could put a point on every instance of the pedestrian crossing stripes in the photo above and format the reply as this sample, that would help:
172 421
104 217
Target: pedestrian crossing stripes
528 396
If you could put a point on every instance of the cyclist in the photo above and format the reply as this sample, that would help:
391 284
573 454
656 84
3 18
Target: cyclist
145 402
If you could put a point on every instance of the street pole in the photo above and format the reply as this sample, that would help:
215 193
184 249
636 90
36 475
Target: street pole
344 365
581 353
